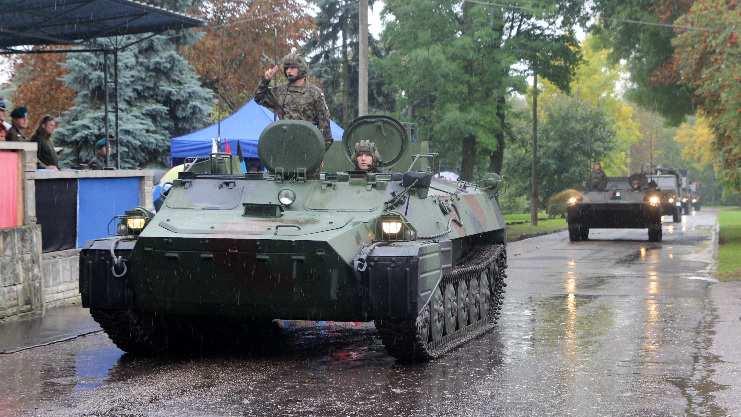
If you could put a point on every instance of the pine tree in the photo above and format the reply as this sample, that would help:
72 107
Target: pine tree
159 97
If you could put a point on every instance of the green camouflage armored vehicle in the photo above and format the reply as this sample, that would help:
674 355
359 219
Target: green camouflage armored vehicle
624 203
668 187
229 252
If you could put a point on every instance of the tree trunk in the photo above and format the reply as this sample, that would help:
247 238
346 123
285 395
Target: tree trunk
346 116
468 157
496 158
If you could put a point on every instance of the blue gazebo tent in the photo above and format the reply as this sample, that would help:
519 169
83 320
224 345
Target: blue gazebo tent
244 126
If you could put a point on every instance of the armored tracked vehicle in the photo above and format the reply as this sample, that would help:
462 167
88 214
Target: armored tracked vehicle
229 252
668 187
624 203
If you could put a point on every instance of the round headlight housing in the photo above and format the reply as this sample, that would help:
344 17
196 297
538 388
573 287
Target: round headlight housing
571 201
286 197
654 200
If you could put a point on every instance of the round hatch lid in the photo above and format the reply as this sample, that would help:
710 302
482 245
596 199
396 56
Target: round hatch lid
291 145
386 132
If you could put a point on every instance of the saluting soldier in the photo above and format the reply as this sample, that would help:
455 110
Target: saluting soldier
296 100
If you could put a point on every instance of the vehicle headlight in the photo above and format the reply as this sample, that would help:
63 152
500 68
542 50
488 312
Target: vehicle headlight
671 199
135 224
654 200
684 200
694 200
394 227
286 197
572 201
133 221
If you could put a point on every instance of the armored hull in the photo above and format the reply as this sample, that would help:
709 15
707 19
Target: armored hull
617 207
421 256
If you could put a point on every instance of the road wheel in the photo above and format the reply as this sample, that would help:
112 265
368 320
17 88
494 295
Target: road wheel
484 295
462 304
450 305
437 316
654 233
677 216
574 232
473 300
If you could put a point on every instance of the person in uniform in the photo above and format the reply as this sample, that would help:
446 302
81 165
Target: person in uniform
296 100
47 156
3 109
102 152
597 178
366 157
19 122
637 181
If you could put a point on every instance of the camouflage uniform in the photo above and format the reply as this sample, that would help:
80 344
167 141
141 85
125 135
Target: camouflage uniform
597 180
98 162
293 102
15 135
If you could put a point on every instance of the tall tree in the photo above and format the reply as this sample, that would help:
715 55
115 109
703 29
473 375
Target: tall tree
241 40
640 32
159 97
709 61
574 134
596 83
453 64
39 85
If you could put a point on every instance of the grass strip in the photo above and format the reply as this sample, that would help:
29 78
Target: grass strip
729 249
525 230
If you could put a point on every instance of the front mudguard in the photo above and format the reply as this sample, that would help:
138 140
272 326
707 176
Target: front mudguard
101 284
400 278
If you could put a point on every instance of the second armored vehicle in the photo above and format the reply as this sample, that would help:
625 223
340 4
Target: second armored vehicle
624 203
229 252
668 187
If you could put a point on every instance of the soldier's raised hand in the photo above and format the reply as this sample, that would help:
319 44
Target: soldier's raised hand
270 73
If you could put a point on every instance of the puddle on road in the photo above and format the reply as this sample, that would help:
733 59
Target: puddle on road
92 367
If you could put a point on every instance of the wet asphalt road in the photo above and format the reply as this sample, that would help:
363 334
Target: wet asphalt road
615 326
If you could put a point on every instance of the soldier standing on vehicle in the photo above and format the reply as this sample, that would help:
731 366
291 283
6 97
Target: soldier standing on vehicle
597 178
296 100
366 157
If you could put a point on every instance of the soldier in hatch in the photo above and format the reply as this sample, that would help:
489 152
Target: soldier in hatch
597 178
296 100
366 157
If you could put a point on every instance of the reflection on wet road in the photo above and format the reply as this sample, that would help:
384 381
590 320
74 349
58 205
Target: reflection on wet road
614 326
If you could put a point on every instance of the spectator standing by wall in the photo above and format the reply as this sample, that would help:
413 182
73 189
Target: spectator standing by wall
47 156
19 121
3 109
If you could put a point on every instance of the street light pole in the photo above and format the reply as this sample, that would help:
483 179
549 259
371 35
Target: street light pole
534 168
363 58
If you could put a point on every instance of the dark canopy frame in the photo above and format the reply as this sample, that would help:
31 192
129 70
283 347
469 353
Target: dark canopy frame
71 24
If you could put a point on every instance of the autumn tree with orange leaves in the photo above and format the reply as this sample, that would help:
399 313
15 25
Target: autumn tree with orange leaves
709 60
39 86
240 42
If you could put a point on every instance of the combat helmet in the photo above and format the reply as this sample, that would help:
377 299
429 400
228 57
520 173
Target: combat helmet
295 59
368 147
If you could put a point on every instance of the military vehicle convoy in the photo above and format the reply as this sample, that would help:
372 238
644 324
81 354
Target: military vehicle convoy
624 203
668 186
229 252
